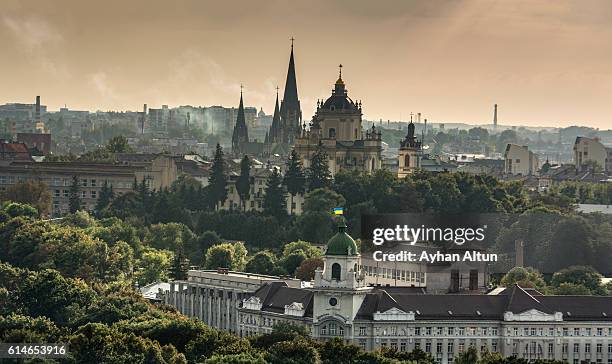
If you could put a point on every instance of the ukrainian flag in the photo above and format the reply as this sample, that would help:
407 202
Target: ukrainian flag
338 211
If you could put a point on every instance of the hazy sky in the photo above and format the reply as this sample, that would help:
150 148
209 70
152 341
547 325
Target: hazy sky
543 62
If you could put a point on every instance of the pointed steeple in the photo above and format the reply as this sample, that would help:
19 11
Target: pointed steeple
290 112
291 94
275 129
240 134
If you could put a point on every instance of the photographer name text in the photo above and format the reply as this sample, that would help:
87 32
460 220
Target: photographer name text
436 257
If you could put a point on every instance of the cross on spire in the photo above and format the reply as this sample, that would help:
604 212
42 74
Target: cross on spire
292 39
340 68
276 90
241 87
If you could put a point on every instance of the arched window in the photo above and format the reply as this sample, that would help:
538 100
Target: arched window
407 161
332 133
373 163
336 271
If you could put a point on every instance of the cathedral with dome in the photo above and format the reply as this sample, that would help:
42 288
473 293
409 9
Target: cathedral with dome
336 129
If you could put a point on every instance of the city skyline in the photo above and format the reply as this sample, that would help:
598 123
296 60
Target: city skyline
543 63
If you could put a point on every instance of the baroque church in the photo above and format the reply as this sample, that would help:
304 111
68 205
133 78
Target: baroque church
336 129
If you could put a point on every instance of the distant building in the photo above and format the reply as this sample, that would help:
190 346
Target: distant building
519 160
157 171
410 153
24 118
589 151
213 296
39 142
336 129
259 176
14 152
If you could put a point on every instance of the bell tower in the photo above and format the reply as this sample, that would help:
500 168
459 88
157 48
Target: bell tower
339 288
409 153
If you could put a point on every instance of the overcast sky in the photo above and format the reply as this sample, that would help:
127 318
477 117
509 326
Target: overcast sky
544 62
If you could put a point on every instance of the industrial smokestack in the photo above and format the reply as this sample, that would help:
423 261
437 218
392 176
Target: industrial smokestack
144 117
37 116
495 117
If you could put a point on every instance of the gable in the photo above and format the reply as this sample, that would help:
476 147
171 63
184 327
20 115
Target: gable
532 315
394 314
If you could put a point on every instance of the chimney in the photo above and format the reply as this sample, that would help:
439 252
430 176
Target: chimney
495 117
37 116
144 117
519 248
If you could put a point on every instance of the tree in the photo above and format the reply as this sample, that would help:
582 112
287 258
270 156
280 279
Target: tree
274 200
571 289
293 261
470 356
263 262
243 184
281 331
15 209
576 277
226 255
316 224
168 236
294 178
217 182
306 270
310 250
202 243
105 197
318 174
219 256
119 144
242 358
180 264
74 199
153 266
298 351
31 192
571 244
525 278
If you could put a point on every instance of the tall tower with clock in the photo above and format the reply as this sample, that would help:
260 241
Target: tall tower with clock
339 288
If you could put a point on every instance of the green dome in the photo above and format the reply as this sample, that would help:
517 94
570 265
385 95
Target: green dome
341 243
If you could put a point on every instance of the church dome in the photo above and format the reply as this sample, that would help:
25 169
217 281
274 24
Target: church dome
341 243
339 99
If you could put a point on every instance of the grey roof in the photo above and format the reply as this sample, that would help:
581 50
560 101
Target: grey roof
275 296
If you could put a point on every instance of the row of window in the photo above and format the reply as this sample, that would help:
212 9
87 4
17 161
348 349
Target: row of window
438 331
489 331
587 348
398 274
82 194
576 331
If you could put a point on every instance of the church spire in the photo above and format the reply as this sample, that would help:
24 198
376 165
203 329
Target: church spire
275 128
291 94
290 112
240 136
